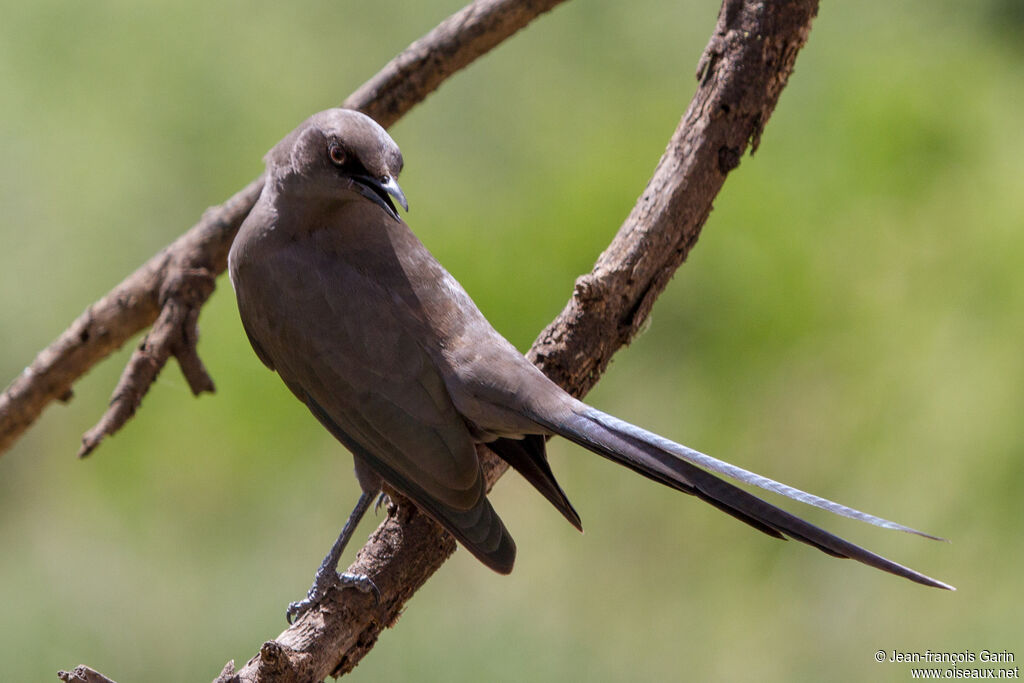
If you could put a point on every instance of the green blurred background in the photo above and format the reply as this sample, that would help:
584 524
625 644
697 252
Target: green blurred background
850 323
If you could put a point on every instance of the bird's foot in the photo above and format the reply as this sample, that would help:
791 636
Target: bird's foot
324 581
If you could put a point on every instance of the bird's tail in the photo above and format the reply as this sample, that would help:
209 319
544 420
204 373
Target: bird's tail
679 467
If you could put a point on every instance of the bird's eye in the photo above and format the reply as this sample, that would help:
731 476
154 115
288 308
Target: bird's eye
337 154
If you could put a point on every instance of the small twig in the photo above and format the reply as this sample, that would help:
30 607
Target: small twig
82 674
174 333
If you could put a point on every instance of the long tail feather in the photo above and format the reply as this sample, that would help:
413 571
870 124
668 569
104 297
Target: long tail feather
745 476
679 467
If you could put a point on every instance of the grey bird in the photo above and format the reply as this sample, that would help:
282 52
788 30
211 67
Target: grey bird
390 354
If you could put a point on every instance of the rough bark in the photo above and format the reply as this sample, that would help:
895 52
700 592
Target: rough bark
82 674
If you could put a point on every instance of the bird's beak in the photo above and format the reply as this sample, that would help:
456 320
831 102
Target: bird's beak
392 188
377 191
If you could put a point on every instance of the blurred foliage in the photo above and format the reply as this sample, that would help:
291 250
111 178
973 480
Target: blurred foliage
850 323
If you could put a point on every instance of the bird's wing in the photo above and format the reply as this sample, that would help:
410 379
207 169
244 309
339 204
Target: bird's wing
335 338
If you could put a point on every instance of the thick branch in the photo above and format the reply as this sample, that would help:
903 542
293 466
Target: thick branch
741 74
136 302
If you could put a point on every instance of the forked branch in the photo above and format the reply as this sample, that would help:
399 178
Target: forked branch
741 74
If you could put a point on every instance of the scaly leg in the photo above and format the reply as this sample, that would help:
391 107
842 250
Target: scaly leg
327 576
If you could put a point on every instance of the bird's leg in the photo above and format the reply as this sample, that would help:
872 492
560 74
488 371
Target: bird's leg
327 576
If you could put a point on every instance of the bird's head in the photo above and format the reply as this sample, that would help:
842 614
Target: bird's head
340 150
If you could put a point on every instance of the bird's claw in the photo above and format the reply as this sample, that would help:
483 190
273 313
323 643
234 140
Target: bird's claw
323 582
361 582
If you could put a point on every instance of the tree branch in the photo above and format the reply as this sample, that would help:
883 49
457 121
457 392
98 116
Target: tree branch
741 74
168 280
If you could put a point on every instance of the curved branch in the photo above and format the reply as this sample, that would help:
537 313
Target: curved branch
138 300
743 69
741 74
